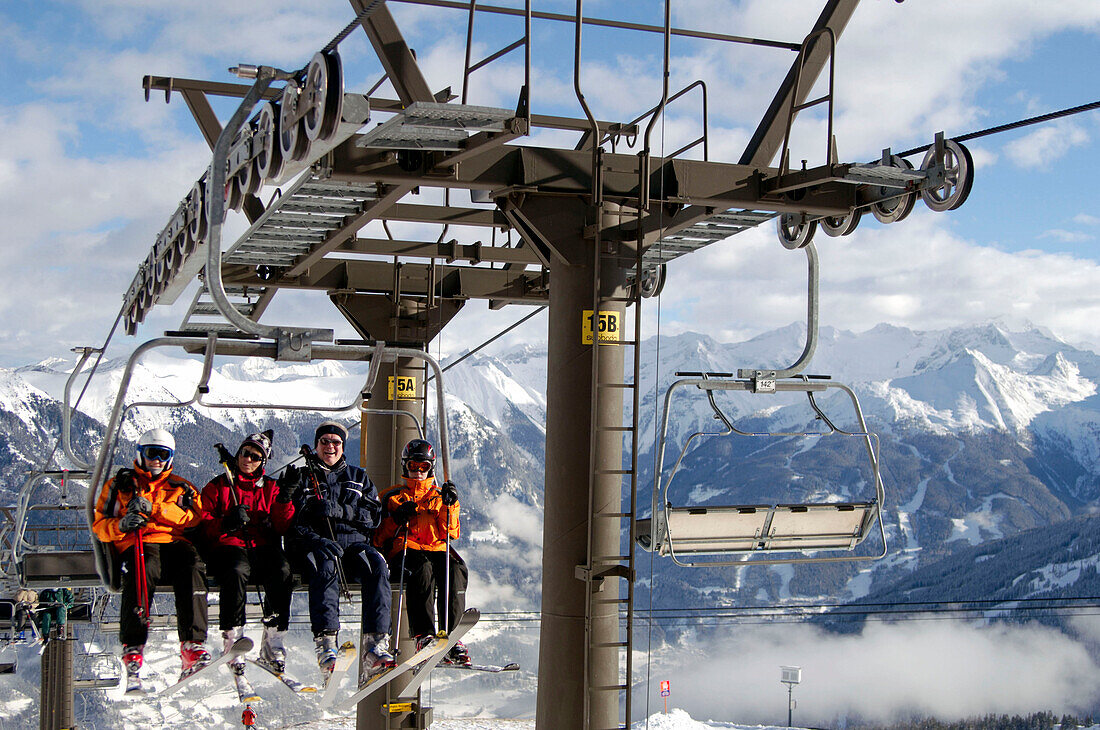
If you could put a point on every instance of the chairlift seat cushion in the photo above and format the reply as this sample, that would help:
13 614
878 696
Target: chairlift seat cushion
753 528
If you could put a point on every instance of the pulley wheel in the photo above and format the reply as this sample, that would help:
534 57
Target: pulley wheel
958 174
292 144
841 225
794 230
314 95
196 213
269 155
892 210
334 97
652 280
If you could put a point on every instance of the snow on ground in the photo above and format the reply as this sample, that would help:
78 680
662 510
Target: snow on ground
676 719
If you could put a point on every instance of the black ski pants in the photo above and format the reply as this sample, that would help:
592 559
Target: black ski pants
177 563
233 567
360 563
424 572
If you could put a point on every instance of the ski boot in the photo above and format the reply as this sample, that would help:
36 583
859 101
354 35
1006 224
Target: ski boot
229 638
458 656
376 656
272 650
194 656
132 660
325 646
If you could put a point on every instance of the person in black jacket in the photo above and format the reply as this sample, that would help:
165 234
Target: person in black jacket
336 509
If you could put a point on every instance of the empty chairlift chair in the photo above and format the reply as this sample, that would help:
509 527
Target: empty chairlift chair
730 535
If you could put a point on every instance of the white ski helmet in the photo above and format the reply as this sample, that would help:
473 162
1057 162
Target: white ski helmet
156 438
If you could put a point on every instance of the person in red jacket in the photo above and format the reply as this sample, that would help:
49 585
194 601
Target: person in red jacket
243 524
417 517
143 512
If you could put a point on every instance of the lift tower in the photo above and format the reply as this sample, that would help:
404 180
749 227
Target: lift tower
593 227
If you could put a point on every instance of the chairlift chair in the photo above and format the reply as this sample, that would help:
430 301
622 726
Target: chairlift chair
787 531
377 353
686 532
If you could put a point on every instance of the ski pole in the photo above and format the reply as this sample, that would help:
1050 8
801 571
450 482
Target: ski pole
311 460
447 577
401 583
224 456
142 608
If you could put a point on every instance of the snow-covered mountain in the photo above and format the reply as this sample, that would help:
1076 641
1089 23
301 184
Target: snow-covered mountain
985 432
988 436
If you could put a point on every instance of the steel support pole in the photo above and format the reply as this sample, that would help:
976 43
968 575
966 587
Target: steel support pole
56 706
564 682
381 442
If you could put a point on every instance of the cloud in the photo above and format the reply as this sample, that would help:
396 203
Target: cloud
1039 149
1067 236
1086 220
890 670
918 274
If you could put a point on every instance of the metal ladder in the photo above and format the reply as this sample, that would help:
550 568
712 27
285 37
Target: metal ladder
621 563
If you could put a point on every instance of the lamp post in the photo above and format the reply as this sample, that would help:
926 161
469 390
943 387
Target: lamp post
790 676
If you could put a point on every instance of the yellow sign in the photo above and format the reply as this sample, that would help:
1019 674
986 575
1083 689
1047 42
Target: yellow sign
608 325
406 388
396 707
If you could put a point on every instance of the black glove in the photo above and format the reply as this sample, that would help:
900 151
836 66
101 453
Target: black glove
132 521
124 480
332 509
404 512
139 505
448 493
236 518
289 483
224 456
328 548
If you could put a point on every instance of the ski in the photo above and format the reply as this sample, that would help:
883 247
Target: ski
241 647
292 684
345 657
465 622
134 687
493 668
420 662
244 689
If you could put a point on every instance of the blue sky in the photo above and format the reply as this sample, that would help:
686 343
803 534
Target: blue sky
90 172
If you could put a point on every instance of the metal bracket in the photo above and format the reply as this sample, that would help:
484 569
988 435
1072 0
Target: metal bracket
763 381
296 345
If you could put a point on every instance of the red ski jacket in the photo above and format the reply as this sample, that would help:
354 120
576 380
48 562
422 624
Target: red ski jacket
269 518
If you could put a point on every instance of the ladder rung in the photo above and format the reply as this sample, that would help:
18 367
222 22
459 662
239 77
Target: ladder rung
614 428
603 559
613 471
616 687
616 385
612 514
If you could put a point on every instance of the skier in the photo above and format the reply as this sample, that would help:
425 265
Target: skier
243 524
143 512
417 519
336 511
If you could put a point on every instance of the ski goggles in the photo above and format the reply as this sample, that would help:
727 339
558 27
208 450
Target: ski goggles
252 456
156 453
418 465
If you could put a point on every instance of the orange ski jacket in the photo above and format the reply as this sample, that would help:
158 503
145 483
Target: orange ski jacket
177 506
427 529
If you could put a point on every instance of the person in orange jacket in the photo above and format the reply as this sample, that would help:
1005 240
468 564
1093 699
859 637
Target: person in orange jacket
143 511
417 517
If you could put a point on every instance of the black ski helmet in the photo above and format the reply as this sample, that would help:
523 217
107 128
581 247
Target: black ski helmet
417 450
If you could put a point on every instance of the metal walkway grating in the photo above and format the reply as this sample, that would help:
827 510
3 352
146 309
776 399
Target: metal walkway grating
296 222
435 126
